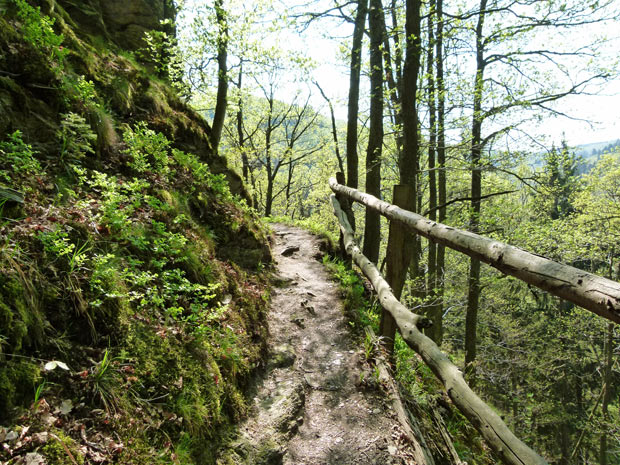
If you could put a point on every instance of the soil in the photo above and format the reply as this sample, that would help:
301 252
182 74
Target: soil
314 404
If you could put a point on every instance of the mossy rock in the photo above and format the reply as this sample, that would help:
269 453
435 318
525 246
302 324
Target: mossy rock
18 381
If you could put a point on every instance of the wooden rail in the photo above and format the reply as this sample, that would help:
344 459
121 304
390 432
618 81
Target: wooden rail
595 293
506 445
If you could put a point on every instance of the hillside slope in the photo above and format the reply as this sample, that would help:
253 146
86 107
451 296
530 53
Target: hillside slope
132 297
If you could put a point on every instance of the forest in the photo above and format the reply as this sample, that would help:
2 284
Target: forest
454 112
146 147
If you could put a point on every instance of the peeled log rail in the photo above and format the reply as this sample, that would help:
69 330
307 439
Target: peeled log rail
592 292
510 449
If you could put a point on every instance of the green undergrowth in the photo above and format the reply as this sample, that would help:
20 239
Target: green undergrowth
419 387
132 301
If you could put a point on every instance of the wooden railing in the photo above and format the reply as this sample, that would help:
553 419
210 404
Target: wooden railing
594 293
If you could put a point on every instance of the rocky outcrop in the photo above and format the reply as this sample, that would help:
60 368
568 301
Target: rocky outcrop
121 21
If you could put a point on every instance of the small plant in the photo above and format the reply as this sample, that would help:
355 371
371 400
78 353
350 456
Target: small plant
76 137
38 30
86 92
372 344
56 242
105 380
149 150
38 393
17 157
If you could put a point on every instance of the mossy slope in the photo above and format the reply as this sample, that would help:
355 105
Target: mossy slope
120 237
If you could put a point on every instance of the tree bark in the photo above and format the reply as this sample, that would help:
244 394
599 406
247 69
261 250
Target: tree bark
372 225
245 164
441 173
473 294
607 380
434 309
398 256
334 128
354 93
222 75
409 159
409 162
594 293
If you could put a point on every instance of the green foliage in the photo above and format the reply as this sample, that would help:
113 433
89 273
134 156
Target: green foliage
161 51
37 29
17 158
365 313
149 151
105 382
76 137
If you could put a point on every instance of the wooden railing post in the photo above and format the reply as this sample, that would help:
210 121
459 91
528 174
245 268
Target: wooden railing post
398 256
345 204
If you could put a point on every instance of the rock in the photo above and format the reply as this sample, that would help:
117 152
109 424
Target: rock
310 308
282 356
290 251
298 321
264 440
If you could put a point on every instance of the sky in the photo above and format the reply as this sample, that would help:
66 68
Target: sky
597 117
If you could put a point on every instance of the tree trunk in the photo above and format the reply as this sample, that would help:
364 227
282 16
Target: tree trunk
222 75
334 128
354 93
435 311
607 380
372 227
441 161
473 294
269 194
240 138
271 172
408 163
392 81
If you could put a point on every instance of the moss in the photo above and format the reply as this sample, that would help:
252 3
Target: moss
55 450
102 124
122 95
177 381
22 322
18 378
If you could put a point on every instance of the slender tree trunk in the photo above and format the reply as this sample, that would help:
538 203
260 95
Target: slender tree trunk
334 128
607 380
354 93
269 194
408 163
473 294
608 351
441 173
372 227
398 50
268 162
289 183
393 82
222 75
435 310
245 164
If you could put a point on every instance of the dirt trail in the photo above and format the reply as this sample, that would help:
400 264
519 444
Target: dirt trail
311 407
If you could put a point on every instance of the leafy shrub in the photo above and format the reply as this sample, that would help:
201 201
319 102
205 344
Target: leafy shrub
38 30
148 149
76 137
17 156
